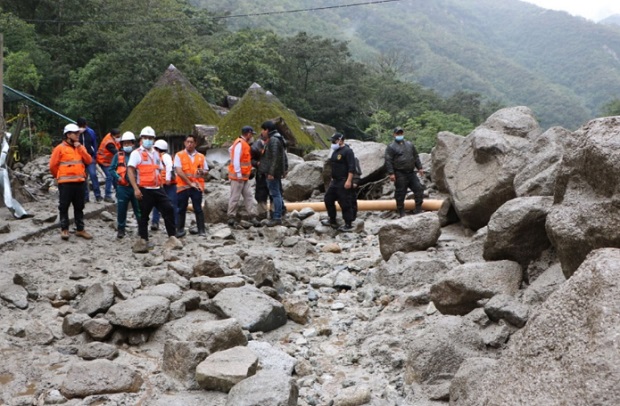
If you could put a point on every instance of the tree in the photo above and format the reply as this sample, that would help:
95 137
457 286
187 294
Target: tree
427 125
611 108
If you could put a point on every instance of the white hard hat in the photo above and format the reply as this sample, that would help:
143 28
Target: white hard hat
148 131
161 145
128 136
71 128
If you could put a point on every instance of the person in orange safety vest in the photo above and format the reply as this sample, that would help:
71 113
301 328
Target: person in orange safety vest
191 167
239 171
68 166
108 147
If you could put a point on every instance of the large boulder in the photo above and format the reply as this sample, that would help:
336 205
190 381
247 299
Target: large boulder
481 172
410 271
302 180
516 230
447 143
140 312
99 377
460 290
371 156
586 215
538 174
215 204
269 387
409 233
568 352
224 369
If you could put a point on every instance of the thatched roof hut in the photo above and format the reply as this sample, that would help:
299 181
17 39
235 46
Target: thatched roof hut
172 107
257 106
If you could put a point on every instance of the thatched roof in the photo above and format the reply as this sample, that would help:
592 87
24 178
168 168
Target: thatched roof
172 107
257 106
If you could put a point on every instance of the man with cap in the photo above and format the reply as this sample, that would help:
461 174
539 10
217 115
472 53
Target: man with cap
143 170
239 170
342 161
401 162
68 166
88 138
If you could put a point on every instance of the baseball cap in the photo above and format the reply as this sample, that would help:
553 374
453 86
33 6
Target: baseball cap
247 129
71 128
398 130
337 137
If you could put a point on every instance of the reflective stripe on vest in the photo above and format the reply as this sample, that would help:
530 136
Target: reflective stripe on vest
104 157
148 171
245 161
190 168
71 169
121 169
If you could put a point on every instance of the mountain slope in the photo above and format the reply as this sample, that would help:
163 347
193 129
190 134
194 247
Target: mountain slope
565 68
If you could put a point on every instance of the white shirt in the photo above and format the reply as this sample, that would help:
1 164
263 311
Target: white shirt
167 160
236 159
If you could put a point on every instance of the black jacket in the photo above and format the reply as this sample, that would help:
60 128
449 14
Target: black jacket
401 156
274 161
343 162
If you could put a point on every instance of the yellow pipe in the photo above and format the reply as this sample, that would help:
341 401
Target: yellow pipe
369 205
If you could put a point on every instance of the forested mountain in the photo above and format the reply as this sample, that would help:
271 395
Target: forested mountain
565 68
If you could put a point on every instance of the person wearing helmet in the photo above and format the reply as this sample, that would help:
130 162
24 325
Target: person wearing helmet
191 167
88 138
124 190
239 171
168 179
144 172
107 149
68 166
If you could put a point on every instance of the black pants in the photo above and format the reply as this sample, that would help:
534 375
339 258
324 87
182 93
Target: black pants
155 198
71 194
404 181
337 192
262 191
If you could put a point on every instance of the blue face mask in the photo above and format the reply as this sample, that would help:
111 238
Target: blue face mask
128 149
148 144
399 137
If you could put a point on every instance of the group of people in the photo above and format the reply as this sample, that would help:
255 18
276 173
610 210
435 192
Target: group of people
143 174
401 163
146 176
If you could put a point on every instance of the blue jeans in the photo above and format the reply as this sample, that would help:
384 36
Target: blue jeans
110 181
171 191
91 171
275 192
125 196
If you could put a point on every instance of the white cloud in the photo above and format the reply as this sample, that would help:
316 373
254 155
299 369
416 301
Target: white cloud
592 9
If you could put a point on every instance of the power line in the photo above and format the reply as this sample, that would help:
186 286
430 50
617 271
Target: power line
196 20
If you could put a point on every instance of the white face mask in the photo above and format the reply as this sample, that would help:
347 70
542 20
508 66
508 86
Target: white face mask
335 146
117 139
128 149
148 144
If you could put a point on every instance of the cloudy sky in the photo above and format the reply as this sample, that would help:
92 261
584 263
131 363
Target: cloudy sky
591 9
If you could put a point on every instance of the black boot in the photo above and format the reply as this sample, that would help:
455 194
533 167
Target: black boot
418 208
401 212
202 227
181 226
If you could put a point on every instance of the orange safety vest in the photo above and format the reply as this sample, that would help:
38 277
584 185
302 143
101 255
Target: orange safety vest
190 168
121 169
245 161
148 170
71 167
162 175
104 157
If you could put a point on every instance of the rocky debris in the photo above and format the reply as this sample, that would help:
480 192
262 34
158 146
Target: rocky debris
505 307
72 324
252 308
547 283
271 358
302 180
517 232
261 270
99 377
353 396
98 329
140 312
463 287
297 309
395 236
170 291
466 377
13 294
208 267
223 370
410 271
213 286
447 143
568 343
97 350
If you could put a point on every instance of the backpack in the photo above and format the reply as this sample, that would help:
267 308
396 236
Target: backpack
357 175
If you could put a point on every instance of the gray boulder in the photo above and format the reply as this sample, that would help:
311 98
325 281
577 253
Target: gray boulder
213 286
208 267
480 173
567 353
410 271
517 231
410 233
14 294
371 156
98 329
99 377
547 283
140 312
251 307
265 388
262 270
223 370
460 290
271 358
97 350
467 376
586 215
302 180
506 307
447 143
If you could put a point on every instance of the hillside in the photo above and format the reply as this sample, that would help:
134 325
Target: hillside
565 68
